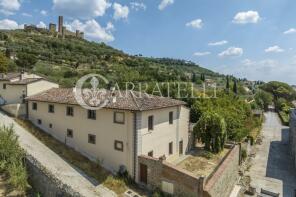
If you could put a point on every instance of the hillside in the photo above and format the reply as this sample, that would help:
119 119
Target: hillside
65 60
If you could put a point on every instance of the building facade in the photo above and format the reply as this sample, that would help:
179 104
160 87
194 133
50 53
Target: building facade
118 133
14 87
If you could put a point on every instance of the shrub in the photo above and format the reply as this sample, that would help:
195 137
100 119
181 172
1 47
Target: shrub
12 158
244 154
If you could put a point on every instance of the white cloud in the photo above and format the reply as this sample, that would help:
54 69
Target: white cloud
164 3
202 53
290 31
43 12
231 52
248 62
222 42
120 11
8 7
197 24
274 49
110 27
265 70
10 24
26 14
138 6
246 17
93 30
84 9
41 24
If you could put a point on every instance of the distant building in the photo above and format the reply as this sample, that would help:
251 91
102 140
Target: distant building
14 87
62 30
61 22
52 27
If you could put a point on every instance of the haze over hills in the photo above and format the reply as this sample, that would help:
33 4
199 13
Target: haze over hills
66 60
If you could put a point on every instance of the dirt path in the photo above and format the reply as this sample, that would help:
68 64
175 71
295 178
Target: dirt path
272 168
55 164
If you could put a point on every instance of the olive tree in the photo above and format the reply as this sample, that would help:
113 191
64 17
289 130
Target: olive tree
211 130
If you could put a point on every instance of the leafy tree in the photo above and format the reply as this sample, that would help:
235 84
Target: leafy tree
4 62
211 130
26 60
235 111
263 99
280 90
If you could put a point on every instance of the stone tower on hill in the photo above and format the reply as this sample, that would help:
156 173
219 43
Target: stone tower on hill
61 22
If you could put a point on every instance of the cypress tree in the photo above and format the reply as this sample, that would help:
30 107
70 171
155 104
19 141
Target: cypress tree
235 86
193 77
227 83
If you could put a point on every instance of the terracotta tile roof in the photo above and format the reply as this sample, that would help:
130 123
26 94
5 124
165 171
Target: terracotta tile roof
25 81
130 100
8 76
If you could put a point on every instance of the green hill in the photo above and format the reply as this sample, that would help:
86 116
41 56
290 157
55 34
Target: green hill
65 60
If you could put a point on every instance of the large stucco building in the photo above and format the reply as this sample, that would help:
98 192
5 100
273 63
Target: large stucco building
118 133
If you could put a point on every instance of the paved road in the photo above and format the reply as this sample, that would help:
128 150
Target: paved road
272 168
55 164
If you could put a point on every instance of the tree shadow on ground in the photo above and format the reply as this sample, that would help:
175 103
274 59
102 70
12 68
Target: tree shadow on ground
280 164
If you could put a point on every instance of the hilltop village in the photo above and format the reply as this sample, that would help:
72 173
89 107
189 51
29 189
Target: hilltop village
62 31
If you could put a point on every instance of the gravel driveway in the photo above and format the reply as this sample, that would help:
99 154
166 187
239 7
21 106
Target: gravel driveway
55 164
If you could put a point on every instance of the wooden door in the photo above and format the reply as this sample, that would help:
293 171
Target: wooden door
143 173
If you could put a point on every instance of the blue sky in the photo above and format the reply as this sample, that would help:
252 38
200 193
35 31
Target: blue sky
248 38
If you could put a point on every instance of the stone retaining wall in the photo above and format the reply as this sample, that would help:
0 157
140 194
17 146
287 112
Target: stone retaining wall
219 183
45 183
159 171
224 177
15 110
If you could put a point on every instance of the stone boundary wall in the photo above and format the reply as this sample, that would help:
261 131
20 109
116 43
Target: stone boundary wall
15 110
219 183
45 183
184 183
292 135
224 177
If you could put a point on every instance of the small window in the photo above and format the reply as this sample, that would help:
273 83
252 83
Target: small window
171 117
51 108
50 125
34 106
91 114
150 154
91 139
39 121
70 133
118 145
170 148
118 117
70 111
4 85
150 123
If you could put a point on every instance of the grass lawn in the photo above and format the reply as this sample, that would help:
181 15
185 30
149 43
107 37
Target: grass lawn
201 162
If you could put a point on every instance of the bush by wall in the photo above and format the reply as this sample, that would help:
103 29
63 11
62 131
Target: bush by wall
12 159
